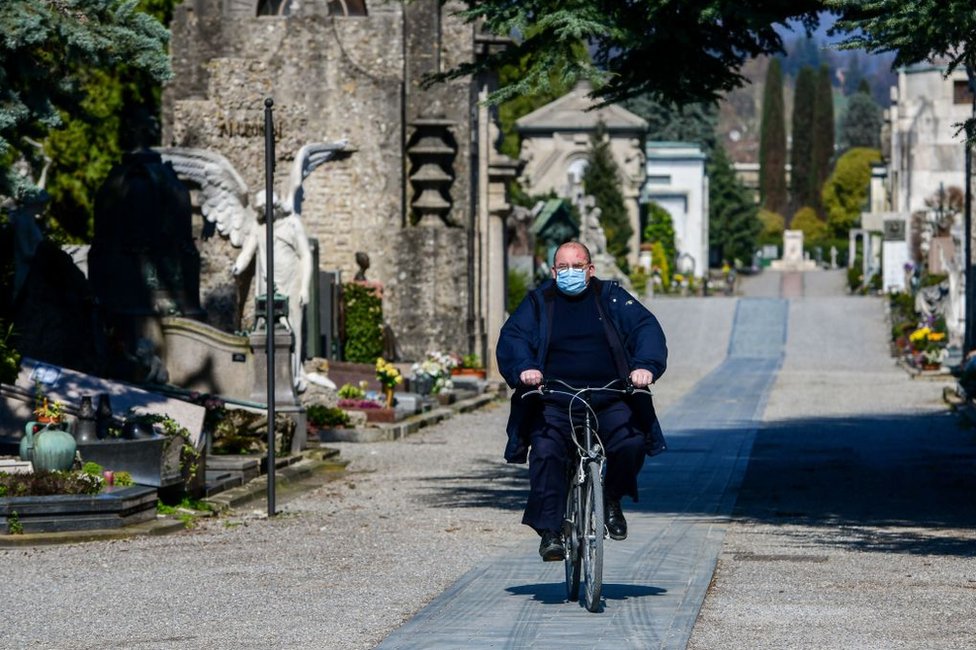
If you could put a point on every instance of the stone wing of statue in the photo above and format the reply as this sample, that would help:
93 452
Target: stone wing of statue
223 193
307 160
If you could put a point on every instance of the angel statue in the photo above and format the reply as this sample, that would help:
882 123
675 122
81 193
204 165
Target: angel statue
224 203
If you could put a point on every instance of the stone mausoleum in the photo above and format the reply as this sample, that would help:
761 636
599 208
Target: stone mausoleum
423 192
556 143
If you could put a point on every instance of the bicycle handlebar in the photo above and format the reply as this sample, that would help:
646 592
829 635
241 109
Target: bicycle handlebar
545 388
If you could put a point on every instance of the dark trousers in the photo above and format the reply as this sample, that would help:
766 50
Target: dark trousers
552 451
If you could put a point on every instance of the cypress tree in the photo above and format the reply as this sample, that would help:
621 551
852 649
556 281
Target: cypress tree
823 135
601 180
801 154
772 143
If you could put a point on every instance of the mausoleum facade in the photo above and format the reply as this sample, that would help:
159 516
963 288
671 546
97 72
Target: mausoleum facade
418 193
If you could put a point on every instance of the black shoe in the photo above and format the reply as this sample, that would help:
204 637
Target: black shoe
552 548
616 524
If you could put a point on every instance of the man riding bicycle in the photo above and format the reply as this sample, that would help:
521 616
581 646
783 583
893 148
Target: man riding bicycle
586 332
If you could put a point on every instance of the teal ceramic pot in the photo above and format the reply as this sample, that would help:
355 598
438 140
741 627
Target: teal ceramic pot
27 440
48 449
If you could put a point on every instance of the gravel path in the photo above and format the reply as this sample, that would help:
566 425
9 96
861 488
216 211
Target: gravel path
854 527
341 567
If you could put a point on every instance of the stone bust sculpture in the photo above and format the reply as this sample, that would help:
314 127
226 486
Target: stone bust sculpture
362 260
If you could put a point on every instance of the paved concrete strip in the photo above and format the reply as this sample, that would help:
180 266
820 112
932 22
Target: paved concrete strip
654 582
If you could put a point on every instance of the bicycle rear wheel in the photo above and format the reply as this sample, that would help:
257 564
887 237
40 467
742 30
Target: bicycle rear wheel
591 544
572 536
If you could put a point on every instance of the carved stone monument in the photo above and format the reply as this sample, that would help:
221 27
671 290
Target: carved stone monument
793 258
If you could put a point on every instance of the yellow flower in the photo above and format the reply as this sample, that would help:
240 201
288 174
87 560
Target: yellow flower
937 336
920 334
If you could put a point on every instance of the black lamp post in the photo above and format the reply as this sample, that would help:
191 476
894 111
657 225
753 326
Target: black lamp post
269 165
970 328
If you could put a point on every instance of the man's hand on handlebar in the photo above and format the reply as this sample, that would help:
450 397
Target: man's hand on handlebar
531 377
641 378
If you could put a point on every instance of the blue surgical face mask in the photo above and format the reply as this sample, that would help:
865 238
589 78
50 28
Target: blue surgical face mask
571 281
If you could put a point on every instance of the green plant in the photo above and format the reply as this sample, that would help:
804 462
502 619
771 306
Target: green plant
46 410
472 361
174 431
123 479
92 469
516 288
14 527
660 266
363 337
45 483
638 278
321 415
186 510
348 391
9 356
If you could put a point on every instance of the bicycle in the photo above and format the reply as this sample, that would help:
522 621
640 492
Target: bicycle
584 523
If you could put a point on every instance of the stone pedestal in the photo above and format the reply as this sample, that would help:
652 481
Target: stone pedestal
286 402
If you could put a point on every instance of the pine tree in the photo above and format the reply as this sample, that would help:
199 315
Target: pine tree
822 149
44 53
860 126
772 143
119 109
670 122
601 180
660 228
801 154
733 223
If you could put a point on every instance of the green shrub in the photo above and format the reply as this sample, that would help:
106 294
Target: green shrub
518 286
123 479
363 340
348 391
92 469
321 415
638 278
659 261
45 483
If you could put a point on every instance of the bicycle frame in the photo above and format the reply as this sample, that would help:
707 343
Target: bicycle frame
584 524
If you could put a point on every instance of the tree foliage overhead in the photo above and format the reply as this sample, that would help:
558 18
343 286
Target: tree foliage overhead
669 122
45 47
601 180
916 30
772 142
679 50
732 216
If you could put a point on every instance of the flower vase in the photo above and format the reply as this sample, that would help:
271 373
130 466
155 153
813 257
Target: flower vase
388 390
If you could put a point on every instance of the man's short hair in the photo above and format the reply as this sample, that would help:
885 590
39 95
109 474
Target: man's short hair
581 245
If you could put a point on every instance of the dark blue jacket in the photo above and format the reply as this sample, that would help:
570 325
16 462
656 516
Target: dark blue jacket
636 341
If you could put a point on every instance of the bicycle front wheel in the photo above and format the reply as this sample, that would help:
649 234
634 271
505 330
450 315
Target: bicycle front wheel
591 544
572 534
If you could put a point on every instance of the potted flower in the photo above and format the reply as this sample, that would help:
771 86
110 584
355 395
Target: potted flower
470 364
388 376
433 375
928 346
45 442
